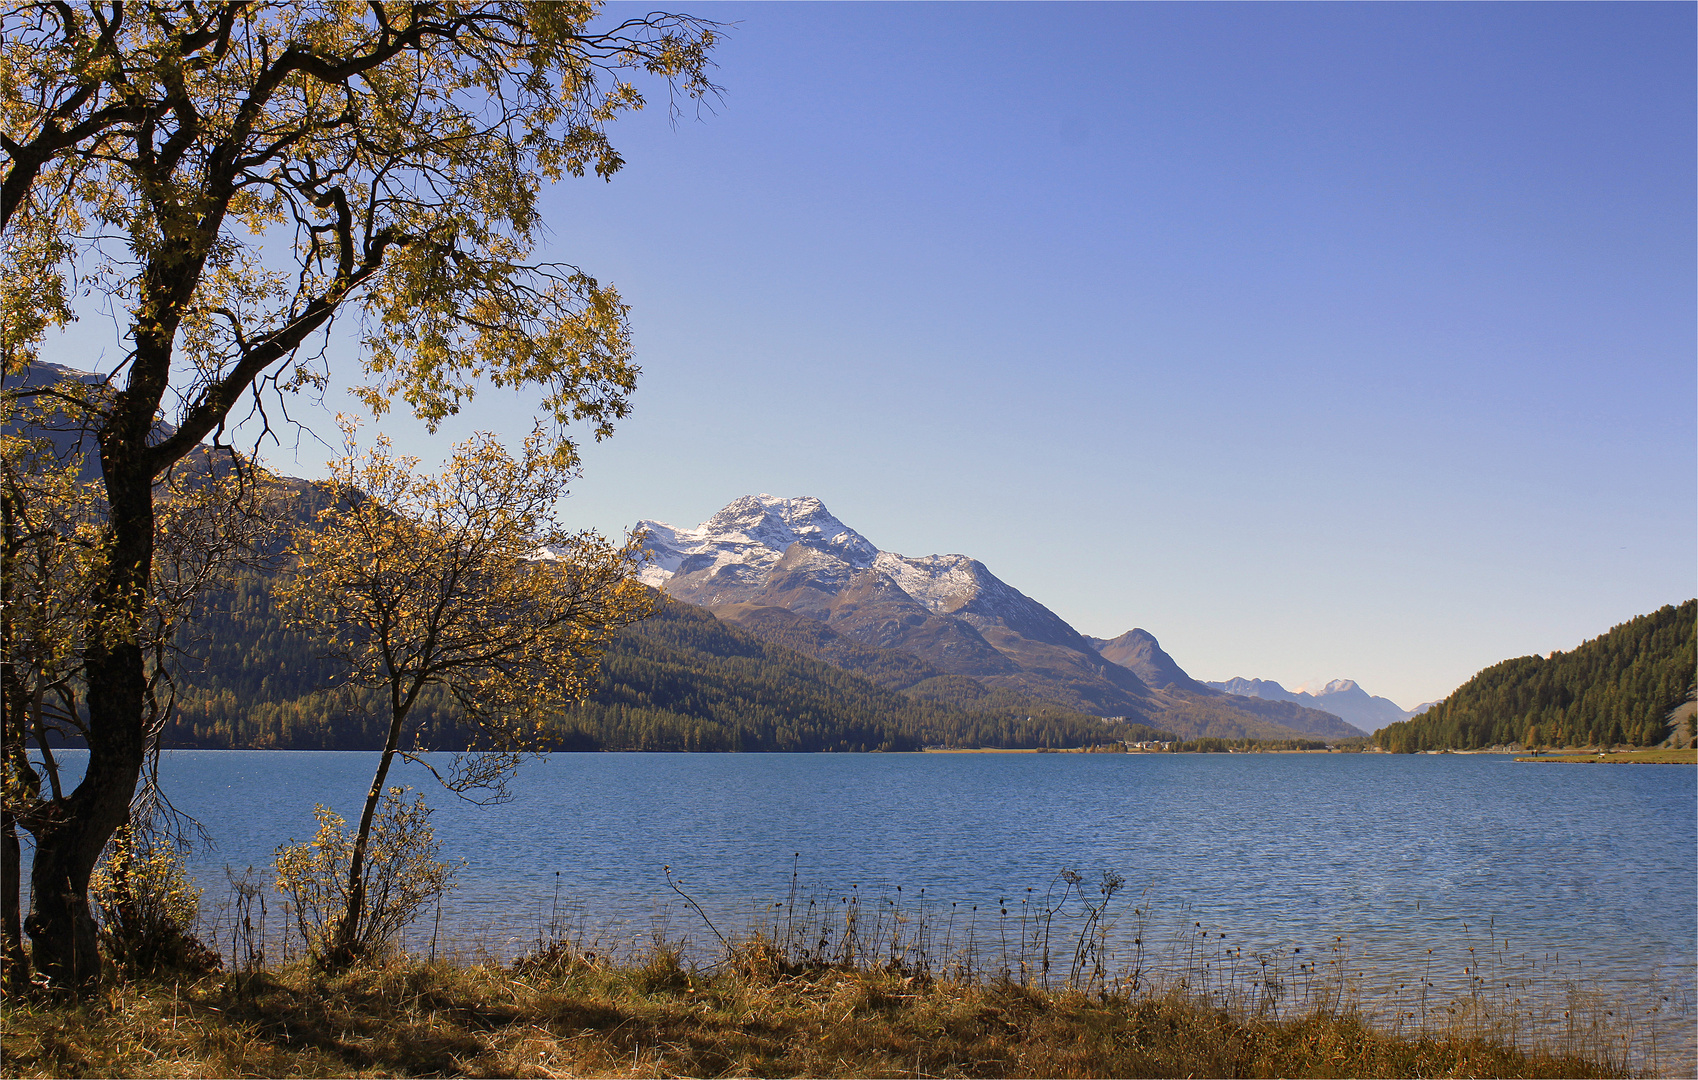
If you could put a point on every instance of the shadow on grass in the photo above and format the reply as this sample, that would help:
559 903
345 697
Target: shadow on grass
576 1018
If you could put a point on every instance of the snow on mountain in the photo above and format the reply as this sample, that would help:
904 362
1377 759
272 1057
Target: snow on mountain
944 583
1317 688
764 562
744 543
766 552
753 532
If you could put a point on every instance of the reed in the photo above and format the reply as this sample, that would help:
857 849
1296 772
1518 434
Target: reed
1081 979
561 1013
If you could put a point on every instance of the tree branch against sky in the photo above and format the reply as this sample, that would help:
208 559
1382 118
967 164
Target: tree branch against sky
465 581
228 179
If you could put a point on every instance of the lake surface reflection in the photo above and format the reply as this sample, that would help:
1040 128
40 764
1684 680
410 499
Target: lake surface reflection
1589 870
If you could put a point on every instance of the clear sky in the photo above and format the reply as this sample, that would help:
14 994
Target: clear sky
1318 340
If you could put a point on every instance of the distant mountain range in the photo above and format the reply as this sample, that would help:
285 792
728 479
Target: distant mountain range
1341 697
788 571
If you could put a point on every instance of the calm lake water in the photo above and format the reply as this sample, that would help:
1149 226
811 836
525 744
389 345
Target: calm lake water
1590 871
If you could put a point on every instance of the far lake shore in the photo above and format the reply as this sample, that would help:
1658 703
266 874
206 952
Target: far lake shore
1688 756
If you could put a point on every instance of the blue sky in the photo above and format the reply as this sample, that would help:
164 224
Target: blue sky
1318 340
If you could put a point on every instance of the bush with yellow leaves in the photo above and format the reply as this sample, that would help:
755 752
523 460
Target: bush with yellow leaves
148 907
400 875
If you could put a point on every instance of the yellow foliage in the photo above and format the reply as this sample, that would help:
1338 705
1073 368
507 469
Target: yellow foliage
56 542
147 903
401 872
224 179
465 580
231 175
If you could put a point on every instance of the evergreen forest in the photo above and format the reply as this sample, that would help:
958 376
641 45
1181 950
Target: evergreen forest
1614 690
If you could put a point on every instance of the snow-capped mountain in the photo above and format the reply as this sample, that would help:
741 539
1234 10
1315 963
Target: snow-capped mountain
788 570
746 542
753 533
1341 697
764 552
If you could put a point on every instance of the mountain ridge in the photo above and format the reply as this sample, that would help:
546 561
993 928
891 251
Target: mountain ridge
762 553
1623 687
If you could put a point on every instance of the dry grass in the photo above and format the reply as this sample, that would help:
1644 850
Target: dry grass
565 1015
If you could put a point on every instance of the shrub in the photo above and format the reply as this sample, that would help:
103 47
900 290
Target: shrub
148 907
402 875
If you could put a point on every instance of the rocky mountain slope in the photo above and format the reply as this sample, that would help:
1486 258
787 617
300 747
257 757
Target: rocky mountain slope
767 564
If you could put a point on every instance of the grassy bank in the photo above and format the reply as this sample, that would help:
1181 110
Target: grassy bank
564 1014
1688 756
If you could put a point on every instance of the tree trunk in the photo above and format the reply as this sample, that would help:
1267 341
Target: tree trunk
70 840
16 765
345 946
72 832
16 975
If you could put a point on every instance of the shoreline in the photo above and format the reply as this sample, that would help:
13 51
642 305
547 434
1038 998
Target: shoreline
1567 755
1090 750
1622 757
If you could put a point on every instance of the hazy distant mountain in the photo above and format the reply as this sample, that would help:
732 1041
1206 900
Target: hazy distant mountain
1138 651
1341 697
765 563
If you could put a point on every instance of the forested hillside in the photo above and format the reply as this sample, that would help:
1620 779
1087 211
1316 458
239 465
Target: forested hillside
1612 690
1192 713
683 680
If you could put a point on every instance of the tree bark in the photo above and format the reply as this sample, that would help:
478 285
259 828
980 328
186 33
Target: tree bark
344 948
17 767
71 833
69 842
16 975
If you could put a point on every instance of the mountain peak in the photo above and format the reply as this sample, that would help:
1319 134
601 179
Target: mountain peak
791 553
1341 697
1316 688
777 523
1139 651
753 531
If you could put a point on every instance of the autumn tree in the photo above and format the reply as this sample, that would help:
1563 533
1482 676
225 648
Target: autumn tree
227 179
51 549
214 513
465 581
